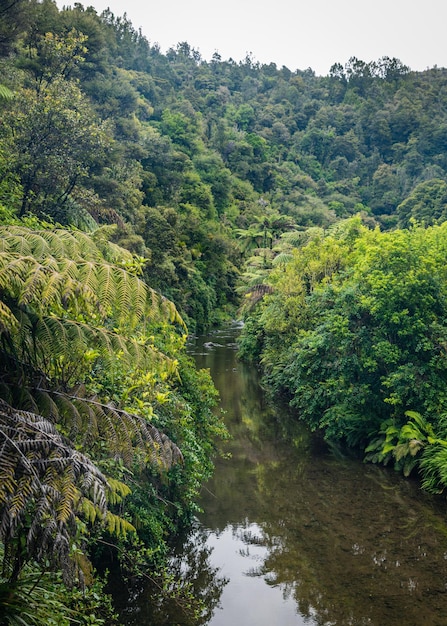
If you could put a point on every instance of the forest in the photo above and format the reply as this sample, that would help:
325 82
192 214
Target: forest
147 196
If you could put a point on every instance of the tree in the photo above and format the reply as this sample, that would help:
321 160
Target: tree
51 57
55 140
360 341
426 204
14 19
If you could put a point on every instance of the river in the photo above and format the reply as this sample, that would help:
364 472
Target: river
291 535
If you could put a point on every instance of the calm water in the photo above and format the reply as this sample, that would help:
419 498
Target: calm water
291 536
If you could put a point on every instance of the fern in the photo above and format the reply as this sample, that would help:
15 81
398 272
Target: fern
299 238
8 321
413 446
90 419
283 258
69 309
5 93
118 526
41 474
117 490
59 243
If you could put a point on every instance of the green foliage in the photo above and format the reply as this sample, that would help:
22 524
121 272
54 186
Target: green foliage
131 129
41 598
427 204
54 143
404 445
413 447
14 19
33 601
433 467
353 330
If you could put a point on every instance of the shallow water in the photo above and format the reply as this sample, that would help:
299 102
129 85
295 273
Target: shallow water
291 536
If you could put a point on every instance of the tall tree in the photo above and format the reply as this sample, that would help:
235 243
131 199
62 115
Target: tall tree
14 19
55 140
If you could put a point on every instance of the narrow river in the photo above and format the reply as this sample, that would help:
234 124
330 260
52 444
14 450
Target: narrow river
292 536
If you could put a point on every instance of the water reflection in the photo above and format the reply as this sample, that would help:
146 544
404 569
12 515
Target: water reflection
167 603
247 599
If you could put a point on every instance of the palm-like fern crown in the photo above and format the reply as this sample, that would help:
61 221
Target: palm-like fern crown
67 272
69 307
75 292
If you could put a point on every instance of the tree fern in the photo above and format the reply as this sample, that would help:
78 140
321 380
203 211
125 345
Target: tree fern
8 321
40 475
68 267
56 242
68 312
282 259
86 419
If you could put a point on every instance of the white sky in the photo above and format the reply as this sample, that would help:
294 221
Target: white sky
295 33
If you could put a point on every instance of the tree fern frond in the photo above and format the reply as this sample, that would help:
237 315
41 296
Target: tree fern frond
136 299
34 281
47 340
45 285
88 510
299 238
13 241
254 294
8 321
118 526
96 287
282 259
58 243
67 266
42 474
73 244
68 491
123 432
259 290
116 491
168 309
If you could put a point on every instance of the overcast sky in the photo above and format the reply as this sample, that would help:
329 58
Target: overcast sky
294 33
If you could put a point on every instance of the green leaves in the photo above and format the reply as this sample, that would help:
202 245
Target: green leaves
54 141
41 473
365 341
413 446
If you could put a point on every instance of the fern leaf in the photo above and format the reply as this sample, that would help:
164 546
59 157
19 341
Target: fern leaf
8 321
118 526
88 510
117 490
5 93
39 471
282 259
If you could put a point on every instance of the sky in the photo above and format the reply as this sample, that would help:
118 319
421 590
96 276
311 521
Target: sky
294 33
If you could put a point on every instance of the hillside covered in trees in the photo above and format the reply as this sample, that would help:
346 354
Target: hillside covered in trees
147 195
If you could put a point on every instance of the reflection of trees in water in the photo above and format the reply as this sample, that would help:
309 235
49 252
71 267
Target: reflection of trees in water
351 547
187 597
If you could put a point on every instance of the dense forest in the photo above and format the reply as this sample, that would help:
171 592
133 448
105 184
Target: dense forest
145 196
